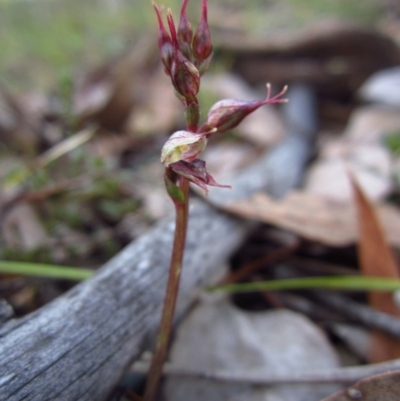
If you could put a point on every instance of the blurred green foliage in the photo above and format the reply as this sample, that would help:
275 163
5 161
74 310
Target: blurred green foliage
45 41
392 141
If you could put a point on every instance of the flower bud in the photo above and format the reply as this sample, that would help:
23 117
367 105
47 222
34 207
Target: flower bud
185 33
227 114
202 66
184 75
202 43
196 172
164 41
183 145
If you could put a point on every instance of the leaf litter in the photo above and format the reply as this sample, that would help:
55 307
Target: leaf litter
111 193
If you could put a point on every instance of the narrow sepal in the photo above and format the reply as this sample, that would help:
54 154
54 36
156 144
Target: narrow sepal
185 32
196 172
164 41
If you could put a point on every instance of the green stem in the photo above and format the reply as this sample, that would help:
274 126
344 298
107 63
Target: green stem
164 334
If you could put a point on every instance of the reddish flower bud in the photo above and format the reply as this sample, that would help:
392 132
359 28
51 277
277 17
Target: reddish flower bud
227 114
184 75
202 43
185 32
196 172
202 66
164 41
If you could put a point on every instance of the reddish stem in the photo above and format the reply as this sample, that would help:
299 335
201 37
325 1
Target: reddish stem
164 334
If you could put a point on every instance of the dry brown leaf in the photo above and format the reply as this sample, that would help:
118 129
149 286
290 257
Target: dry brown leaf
18 125
383 387
225 159
23 229
370 163
329 54
314 217
360 148
108 146
376 259
367 124
159 109
107 94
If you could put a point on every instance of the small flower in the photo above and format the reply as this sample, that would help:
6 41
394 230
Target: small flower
196 172
227 114
202 43
186 57
180 154
183 145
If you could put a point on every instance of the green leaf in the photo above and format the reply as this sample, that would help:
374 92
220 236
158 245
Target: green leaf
175 193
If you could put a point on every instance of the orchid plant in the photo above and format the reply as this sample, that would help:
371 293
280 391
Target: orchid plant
186 56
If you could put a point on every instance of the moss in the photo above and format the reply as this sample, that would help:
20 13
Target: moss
37 255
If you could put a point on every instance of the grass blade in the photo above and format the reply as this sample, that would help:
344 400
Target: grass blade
353 283
44 270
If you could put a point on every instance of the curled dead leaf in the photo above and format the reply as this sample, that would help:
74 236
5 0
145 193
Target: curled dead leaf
383 387
376 259
314 217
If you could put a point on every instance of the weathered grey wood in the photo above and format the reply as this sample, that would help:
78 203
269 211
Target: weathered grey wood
77 347
6 311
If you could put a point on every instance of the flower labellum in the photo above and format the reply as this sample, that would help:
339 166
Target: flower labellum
227 114
183 145
196 172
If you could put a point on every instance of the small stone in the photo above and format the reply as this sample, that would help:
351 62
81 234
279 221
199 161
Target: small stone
354 394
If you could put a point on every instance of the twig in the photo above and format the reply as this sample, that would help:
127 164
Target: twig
362 313
259 377
320 268
269 258
312 309
132 396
